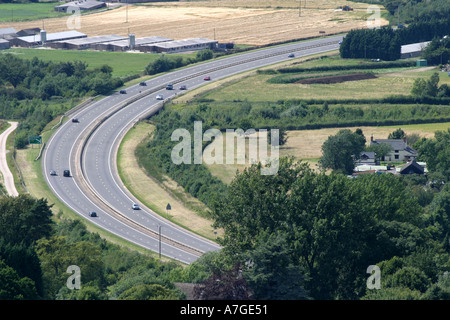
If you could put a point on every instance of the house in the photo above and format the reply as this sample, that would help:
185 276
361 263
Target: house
400 149
412 168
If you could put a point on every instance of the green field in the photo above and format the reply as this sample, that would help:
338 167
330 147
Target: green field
13 12
256 88
123 63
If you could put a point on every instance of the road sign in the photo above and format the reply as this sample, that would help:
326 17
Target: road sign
35 139
168 207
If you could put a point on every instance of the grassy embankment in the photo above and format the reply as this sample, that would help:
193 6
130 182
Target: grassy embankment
157 192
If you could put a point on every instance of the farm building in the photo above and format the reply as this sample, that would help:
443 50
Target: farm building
28 32
4 44
179 45
413 50
43 38
7 33
412 168
129 44
82 5
83 43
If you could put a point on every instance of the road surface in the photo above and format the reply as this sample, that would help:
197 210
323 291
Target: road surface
8 178
88 148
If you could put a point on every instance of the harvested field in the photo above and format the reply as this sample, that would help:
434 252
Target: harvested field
240 22
338 78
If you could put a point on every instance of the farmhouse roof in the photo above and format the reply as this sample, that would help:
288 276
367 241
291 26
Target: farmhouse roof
412 167
367 155
396 144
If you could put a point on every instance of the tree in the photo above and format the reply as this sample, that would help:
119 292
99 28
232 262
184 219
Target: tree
380 149
148 292
436 153
24 219
430 87
224 285
397 134
204 54
12 69
13 287
282 136
341 151
271 273
56 255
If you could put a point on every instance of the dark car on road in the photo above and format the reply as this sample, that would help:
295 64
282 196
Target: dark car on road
66 173
92 214
183 87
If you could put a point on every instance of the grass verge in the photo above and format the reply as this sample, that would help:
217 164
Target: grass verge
157 192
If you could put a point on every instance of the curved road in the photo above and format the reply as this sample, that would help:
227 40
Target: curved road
8 178
88 148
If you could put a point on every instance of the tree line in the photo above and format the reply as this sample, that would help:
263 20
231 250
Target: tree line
385 42
35 91
165 63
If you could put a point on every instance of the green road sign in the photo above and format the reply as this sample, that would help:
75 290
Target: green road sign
35 140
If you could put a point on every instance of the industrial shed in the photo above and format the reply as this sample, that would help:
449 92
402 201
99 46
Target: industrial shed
180 45
131 43
7 32
28 32
82 5
413 50
43 38
4 44
83 43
